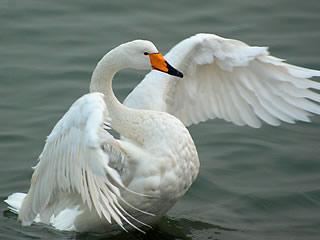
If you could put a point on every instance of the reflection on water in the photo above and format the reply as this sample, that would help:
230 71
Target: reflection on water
168 228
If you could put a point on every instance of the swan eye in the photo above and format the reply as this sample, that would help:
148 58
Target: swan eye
146 53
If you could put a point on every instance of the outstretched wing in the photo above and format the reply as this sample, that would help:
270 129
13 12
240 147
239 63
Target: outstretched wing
227 79
73 161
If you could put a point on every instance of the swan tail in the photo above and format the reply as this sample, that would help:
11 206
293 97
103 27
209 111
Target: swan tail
14 202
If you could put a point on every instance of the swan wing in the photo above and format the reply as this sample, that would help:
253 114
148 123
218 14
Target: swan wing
74 161
227 79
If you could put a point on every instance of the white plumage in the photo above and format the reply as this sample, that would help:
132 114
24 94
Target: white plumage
227 79
73 161
86 180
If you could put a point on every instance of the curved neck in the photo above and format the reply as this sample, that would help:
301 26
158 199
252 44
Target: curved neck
126 121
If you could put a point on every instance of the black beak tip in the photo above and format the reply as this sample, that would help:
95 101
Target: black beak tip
179 74
174 72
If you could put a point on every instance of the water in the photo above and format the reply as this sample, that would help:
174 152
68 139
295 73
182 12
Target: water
253 183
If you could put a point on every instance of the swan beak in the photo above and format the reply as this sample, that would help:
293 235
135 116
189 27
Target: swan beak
159 63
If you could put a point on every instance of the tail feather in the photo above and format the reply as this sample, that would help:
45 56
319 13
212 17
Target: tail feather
15 201
63 221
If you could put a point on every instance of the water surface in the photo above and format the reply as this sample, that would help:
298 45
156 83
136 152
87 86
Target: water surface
253 183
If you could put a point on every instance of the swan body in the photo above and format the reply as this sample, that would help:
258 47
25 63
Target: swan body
86 180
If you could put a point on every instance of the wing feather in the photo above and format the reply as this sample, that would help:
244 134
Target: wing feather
73 161
228 79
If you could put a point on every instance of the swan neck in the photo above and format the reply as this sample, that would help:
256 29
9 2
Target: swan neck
101 80
124 120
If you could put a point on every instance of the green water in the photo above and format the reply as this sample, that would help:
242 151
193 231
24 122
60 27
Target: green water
253 183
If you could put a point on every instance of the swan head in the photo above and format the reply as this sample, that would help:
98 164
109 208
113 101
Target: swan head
142 54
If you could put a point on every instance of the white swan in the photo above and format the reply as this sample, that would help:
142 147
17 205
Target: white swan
86 180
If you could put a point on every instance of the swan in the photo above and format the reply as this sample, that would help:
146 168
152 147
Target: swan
86 180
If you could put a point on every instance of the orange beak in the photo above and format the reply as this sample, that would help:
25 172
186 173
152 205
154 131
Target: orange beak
159 63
